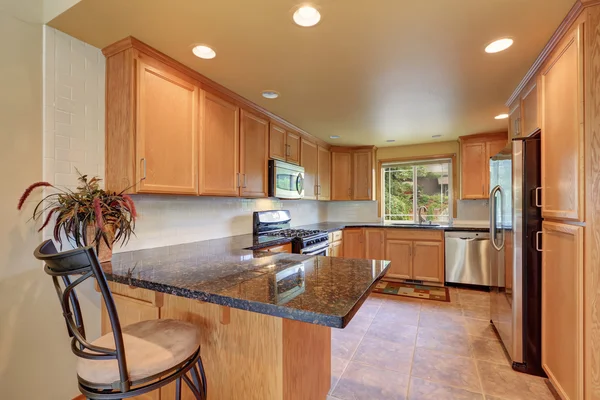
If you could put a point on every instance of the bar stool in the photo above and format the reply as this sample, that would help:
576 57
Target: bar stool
129 361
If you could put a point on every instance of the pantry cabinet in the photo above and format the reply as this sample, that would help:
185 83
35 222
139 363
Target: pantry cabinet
219 146
284 145
166 140
476 151
310 162
562 307
353 173
254 141
563 134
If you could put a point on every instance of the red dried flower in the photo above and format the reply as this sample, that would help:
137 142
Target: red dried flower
48 217
28 191
98 212
131 205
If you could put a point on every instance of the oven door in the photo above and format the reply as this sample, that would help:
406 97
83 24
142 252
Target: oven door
286 181
319 251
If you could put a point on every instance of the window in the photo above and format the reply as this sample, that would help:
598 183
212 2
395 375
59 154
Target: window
409 186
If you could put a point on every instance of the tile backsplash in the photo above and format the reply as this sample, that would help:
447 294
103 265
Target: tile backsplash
473 210
352 211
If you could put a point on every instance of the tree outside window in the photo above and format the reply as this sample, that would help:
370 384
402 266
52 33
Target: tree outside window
407 187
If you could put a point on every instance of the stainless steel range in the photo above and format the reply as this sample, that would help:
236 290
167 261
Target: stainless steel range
270 225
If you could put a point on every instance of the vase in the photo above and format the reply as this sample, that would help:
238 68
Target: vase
103 251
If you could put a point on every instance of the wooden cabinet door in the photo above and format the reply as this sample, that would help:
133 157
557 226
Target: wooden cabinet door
219 146
166 132
562 307
375 244
277 145
428 261
324 174
254 144
562 127
354 246
310 163
363 175
514 121
335 249
492 148
475 170
399 252
293 148
529 111
341 176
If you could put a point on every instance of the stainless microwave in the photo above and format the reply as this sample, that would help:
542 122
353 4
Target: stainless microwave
286 181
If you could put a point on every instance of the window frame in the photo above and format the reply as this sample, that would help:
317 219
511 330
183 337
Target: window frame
450 159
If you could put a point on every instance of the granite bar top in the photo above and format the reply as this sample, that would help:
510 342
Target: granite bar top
320 290
336 226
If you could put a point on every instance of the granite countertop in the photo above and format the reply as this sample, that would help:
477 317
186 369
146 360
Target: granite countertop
320 290
336 226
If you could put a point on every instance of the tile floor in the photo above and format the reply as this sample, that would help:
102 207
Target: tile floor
400 348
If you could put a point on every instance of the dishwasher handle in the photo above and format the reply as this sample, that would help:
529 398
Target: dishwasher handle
468 239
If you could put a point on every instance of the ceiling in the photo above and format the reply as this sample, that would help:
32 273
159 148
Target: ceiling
368 72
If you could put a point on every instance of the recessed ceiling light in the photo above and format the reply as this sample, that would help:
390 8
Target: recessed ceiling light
270 94
334 137
501 116
436 136
390 140
307 16
499 45
204 52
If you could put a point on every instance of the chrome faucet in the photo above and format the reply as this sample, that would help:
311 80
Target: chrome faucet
421 219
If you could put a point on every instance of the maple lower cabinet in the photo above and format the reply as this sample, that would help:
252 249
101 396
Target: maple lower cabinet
219 147
284 145
341 175
562 127
335 244
428 261
562 307
475 153
354 243
166 132
310 162
254 144
374 244
324 174
399 252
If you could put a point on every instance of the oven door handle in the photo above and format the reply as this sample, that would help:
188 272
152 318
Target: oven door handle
310 251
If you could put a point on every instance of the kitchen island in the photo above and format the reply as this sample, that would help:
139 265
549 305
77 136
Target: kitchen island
265 318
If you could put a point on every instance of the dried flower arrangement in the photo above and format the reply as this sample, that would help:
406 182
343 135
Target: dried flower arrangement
87 216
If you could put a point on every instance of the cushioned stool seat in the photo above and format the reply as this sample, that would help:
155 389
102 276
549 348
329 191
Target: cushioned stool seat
151 347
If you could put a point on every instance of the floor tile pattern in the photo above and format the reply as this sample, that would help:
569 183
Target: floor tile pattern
402 348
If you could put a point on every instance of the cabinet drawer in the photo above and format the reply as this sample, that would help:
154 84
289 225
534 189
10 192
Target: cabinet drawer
335 236
415 234
284 248
144 295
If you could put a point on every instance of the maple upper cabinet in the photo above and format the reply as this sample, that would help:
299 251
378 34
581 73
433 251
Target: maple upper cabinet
352 173
324 174
562 131
514 120
362 171
309 156
562 307
341 175
475 153
166 138
284 145
219 146
353 243
530 116
254 145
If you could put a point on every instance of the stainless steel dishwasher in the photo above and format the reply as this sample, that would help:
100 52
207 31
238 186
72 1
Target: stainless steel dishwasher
468 258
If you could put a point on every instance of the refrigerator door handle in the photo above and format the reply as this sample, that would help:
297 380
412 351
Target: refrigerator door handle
493 217
501 210
538 192
538 246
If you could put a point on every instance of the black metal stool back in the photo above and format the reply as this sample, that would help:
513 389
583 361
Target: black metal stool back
83 262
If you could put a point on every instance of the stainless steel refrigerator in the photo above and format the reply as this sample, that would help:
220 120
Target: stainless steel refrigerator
515 266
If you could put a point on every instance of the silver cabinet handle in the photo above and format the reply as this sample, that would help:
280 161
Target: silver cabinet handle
369 192
538 246
238 179
245 181
143 161
538 192
288 151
